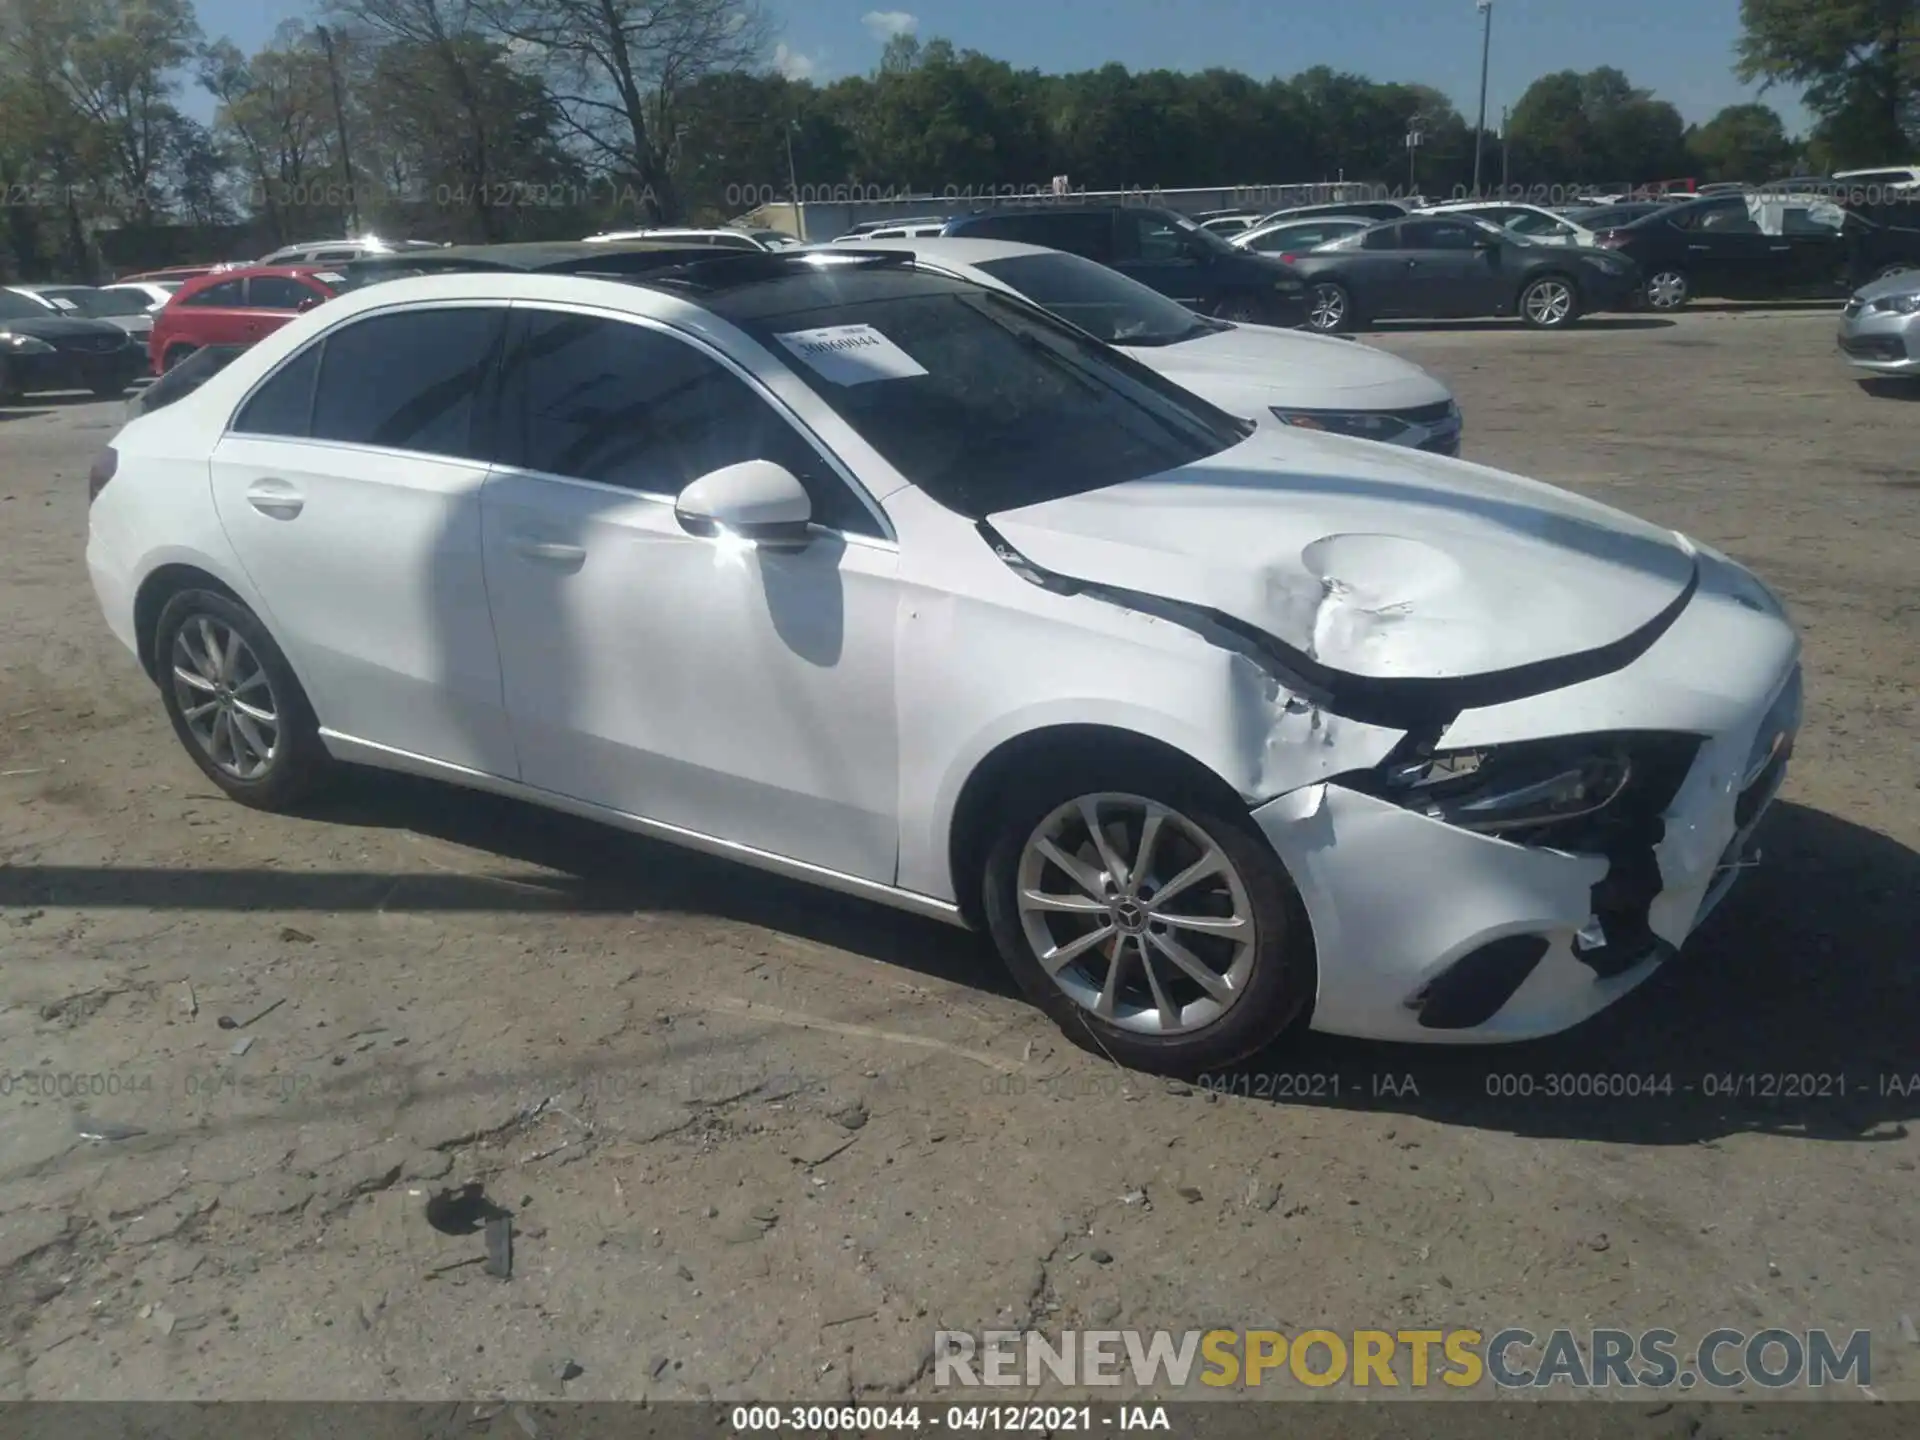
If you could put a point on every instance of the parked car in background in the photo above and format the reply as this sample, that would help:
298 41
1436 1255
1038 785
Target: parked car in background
723 237
154 292
1365 209
1431 267
600 257
1535 222
1759 246
337 252
1880 326
1889 180
867 227
1229 224
177 274
234 307
893 232
1209 726
128 310
1285 239
1271 376
43 347
183 379
1161 249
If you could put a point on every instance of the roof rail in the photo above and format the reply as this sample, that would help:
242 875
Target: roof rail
743 267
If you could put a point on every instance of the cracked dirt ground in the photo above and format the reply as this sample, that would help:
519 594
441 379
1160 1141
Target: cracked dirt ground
759 1142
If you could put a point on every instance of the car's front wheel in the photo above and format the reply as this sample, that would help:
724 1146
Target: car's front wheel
234 701
1151 926
1330 308
1668 290
1242 309
1549 303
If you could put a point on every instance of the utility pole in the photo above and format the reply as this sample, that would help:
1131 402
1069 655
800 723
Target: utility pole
793 183
1414 137
1485 7
340 120
1503 151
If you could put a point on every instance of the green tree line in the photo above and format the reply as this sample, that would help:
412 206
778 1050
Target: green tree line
502 119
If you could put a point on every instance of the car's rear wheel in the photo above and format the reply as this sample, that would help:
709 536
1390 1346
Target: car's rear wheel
1668 290
1550 303
1330 308
1148 924
234 701
175 354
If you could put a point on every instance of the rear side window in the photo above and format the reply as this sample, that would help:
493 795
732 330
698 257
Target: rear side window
282 406
407 381
227 292
1436 235
1387 237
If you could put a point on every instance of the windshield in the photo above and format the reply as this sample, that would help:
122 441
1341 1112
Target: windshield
1103 302
14 306
981 401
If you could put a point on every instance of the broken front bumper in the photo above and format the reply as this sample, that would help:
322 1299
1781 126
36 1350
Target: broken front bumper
1426 931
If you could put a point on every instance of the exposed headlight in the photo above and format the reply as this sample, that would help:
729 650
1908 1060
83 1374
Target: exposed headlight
24 344
1906 304
1576 792
1361 424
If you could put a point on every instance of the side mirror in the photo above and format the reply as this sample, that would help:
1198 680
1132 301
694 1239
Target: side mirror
755 500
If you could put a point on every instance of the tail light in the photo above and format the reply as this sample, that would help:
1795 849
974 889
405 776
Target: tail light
100 472
1288 259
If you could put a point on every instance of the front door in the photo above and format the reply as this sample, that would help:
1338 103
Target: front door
1150 248
699 682
1450 270
349 486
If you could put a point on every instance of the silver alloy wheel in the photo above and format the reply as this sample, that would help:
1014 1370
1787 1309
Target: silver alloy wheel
1667 290
1139 917
1328 308
225 697
1549 302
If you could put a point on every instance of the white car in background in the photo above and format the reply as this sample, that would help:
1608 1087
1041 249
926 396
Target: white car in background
156 293
897 585
1272 376
723 237
1285 238
1534 222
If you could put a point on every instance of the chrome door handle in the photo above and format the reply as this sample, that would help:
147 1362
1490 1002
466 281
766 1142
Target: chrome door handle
275 499
552 552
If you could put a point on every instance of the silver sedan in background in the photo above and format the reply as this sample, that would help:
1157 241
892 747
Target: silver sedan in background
1880 326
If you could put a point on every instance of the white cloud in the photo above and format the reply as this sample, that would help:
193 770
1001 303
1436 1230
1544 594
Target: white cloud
883 25
793 64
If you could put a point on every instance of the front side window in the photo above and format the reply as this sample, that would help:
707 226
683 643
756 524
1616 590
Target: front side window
1103 302
984 403
280 292
407 380
1437 235
227 293
623 404
1532 222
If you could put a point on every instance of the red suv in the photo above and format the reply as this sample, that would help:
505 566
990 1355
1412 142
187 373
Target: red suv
234 307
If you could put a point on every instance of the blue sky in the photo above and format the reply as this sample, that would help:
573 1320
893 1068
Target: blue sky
1680 49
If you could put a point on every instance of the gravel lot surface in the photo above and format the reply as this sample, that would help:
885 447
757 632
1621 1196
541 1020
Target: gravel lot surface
759 1142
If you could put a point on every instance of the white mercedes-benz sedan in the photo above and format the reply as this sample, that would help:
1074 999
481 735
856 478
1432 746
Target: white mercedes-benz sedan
868 575
1267 374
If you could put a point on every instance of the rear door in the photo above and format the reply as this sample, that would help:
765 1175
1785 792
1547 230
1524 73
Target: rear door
1817 245
1727 253
349 485
276 299
217 315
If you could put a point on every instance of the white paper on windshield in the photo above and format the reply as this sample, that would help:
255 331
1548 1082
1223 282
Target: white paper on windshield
851 354
327 277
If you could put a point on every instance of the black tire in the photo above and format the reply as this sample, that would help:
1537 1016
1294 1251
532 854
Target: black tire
1324 298
298 762
175 354
1531 293
1667 289
1274 993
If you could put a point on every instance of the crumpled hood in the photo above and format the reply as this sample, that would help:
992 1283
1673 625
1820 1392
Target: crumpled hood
1295 369
1372 562
1900 284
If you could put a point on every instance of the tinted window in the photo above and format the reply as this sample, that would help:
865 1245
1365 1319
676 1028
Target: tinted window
350 253
619 403
227 292
407 380
1151 237
1088 235
1385 237
1103 302
1801 220
1437 235
1532 222
282 406
982 401
1725 217
278 292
